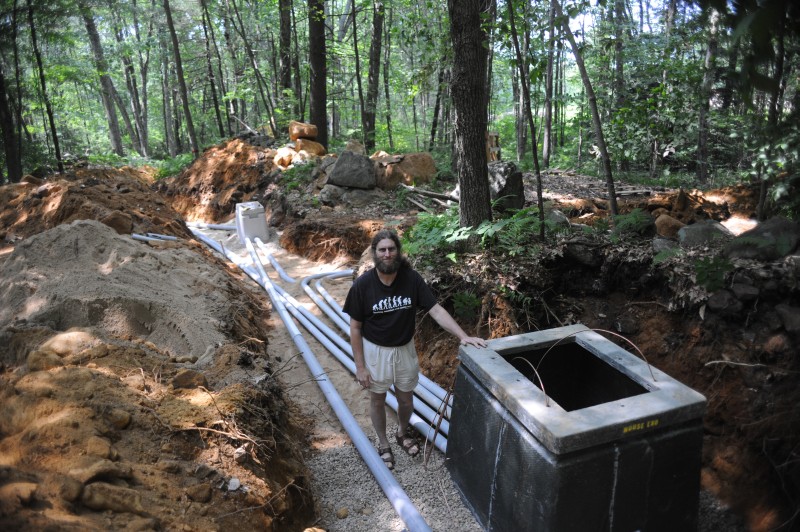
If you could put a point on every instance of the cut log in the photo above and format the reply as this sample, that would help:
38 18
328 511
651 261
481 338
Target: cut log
430 194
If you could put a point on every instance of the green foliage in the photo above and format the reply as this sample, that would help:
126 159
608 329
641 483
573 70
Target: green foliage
511 235
523 302
173 165
434 233
297 176
710 272
466 305
666 254
107 158
778 162
637 222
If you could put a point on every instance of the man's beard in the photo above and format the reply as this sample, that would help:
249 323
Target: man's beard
387 267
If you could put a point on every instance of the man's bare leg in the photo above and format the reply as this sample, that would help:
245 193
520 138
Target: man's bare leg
405 407
377 413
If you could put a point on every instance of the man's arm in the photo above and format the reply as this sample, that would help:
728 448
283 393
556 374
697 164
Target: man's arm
446 321
357 343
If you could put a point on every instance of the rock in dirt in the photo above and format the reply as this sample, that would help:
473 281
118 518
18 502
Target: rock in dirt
102 496
105 469
354 171
199 492
102 448
188 378
770 240
43 360
119 418
15 494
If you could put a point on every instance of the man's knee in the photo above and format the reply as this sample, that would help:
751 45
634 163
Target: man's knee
377 398
405 399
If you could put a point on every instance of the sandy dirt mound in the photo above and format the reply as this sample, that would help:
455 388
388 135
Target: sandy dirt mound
224 175
120 198
137 390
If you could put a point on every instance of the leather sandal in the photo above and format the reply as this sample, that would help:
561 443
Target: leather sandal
408 442
387 456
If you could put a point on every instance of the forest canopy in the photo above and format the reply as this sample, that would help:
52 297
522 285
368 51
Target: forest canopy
698 93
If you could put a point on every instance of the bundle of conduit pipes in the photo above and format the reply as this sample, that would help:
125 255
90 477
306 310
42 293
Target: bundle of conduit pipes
429 398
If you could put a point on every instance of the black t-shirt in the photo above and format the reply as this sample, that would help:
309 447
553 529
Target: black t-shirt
388 313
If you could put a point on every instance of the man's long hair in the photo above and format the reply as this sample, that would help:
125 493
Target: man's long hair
383 234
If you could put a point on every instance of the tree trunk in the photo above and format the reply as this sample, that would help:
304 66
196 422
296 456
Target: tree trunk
261 83
619 65
299 98
526 98
137 126
669 24
387 102
317 57
373 75
469 92
144 66
547 141
361 104
181 81
106 84
596 123
166 99
220 77
45 98
436 108
210 68
773 114
705 97
285 46
10 143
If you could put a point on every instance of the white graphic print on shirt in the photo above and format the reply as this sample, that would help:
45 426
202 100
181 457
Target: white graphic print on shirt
391 304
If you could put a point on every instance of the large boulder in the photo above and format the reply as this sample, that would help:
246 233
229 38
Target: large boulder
702 234
310 147
353 170
505 185
505 182
409 169
667 226
770 240
300 130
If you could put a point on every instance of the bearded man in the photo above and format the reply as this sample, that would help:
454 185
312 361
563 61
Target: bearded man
382 304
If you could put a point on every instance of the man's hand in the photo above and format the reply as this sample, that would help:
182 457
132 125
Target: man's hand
362 376
473 341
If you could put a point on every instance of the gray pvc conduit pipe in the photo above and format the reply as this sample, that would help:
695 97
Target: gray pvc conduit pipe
427 412
161 237
397 497
329 298
143 238
343 324
203 225
285 276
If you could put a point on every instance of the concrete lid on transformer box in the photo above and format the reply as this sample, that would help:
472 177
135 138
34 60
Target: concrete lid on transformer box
664 401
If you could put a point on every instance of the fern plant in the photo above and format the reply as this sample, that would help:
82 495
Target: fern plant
466 305
434 233
637 222
710 272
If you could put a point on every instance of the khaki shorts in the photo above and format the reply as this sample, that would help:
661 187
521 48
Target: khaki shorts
391 365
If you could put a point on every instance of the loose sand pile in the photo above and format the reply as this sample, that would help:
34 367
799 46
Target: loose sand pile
85 275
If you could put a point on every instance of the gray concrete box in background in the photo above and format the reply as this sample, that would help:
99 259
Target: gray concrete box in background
610 444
